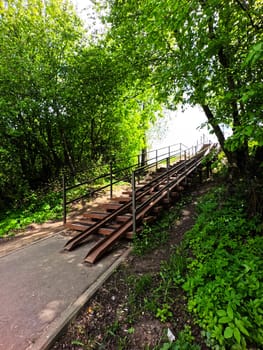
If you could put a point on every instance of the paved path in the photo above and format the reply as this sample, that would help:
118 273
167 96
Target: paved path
41 286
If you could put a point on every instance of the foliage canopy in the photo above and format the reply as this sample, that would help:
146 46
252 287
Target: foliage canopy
200 52
64 103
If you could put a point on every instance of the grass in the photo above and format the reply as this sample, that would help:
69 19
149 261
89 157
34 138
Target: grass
152 236
40 207
37 209
219 265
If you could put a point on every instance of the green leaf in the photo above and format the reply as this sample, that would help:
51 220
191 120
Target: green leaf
131 330
77 342
228 333
241 327
224 319
237 335
166 346
230 312
221 313
46 206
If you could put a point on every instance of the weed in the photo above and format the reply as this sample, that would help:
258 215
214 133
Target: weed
131 330
77 342
175 267
36 209
113 329
150 238
140 287
153 236
184 341
224 280
164 313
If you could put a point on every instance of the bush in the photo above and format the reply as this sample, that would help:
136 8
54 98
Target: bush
224 279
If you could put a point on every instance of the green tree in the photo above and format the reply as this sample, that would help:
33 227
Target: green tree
65 102
113 111
200 52
38 39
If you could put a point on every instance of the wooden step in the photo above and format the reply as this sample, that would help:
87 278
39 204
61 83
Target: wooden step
174 194
111 206
121 199
161 170
144 198
84 221
95 215
76 226
166 201
129 193
123 218
179 188
148 219
141 184
129 235
105 231
159 187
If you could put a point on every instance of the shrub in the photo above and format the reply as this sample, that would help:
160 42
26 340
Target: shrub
224 279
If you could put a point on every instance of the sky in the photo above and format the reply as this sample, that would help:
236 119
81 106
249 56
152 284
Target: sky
176 127
81 5
181 127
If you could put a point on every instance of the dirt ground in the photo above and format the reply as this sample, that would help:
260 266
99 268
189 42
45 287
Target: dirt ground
108 320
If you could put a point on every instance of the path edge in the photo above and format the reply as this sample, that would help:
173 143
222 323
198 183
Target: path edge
56 328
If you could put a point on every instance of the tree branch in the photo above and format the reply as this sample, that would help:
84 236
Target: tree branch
245 8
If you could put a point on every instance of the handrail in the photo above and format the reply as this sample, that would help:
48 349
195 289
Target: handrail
182 170
158 158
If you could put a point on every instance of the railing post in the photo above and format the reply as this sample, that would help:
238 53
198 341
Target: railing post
64 199
133 203
156 159
185 169
111 180
168 178
180 151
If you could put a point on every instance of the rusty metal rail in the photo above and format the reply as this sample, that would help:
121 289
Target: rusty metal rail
75 190
124 214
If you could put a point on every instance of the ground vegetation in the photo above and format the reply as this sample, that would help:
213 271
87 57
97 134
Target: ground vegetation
192 281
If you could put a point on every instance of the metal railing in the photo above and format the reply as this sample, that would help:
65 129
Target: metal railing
153 160
189 156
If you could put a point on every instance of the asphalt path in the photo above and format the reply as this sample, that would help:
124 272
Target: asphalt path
42 286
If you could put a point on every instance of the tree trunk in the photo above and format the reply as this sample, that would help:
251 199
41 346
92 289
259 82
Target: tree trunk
238 160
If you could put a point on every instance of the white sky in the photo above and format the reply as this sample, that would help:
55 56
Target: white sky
81 5
183 127
178 127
